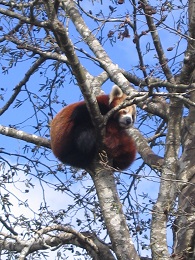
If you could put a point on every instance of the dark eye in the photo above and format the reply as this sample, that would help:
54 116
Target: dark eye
124 111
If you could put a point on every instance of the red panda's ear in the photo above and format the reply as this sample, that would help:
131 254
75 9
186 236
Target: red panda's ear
116 92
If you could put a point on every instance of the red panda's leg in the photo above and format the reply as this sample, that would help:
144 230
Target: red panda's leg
124 160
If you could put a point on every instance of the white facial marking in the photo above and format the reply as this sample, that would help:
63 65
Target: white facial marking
127 117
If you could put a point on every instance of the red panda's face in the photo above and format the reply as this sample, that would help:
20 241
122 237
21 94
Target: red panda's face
126 116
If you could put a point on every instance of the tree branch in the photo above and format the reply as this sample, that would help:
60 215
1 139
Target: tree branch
168 190
18 134
104 60
17 89
157 44
149 157
67 47
54 236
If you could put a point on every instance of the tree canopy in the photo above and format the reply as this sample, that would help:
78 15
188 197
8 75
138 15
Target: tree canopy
56 52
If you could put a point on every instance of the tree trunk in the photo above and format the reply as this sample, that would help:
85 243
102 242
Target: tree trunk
113 213
184 226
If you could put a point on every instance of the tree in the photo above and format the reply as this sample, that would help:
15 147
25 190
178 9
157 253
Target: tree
50 50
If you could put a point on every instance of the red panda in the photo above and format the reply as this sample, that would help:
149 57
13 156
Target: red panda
73 136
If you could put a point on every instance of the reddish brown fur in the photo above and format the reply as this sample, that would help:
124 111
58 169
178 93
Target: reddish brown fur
120 146
73 137
61 127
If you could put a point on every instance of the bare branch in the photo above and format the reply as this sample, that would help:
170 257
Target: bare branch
111 68
18 134
149 157
53 236
157 44
17 88
23 18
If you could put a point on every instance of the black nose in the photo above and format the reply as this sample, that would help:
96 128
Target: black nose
128 121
